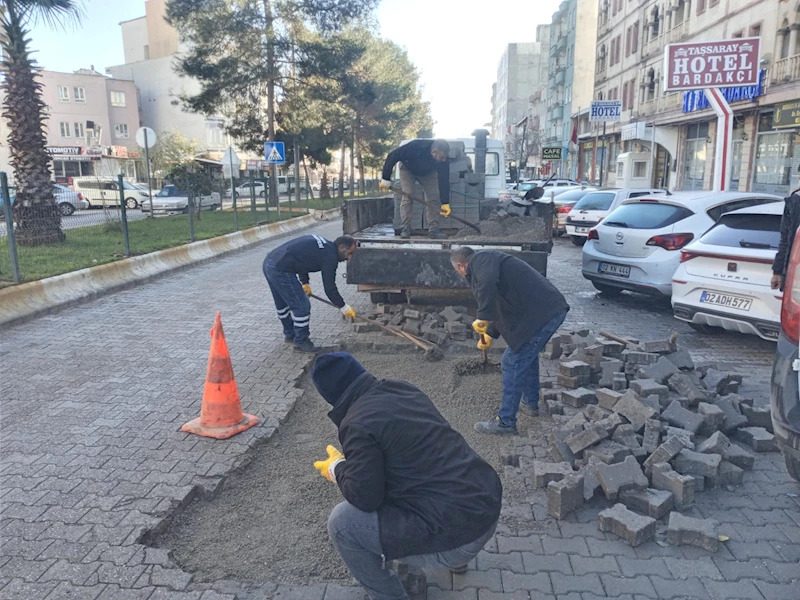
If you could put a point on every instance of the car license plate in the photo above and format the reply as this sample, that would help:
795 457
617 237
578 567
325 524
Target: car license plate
736 302
611 269
581 230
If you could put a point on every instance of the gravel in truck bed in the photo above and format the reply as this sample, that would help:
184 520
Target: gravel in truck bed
502 226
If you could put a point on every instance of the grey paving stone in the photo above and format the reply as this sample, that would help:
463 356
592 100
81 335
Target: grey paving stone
577 583
433 594
67 591
29 570
605 564
524 544
616 586
546 563
741 590
636 567
703 568
489 595
489 579
539 582
686 588
511 561
572 546
17 589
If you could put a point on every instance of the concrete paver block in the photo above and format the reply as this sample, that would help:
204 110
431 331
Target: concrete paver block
681 359
688 462
716 444
758 438
635 357
681 486
622 476
590 436
648 387
693 532
713 417
651 502
664 453
565 495
633 528
595 413
685 436
545 472
722 383
591 484
678 416
688 387
608 452
652 435
740 457
578 398
733 418
607 398
660 372
757 416
633 410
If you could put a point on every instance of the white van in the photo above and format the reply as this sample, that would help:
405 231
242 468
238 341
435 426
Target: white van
104 191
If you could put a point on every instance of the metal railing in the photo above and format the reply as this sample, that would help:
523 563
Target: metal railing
785 69
659 104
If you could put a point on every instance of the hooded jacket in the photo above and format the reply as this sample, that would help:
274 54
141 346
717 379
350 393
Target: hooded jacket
514 297
416 157
431 491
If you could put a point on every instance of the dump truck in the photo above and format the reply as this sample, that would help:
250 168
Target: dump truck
391 269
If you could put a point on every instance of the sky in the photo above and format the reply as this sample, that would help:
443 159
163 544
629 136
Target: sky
455 46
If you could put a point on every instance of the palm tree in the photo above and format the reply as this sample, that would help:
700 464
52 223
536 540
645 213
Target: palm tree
35 211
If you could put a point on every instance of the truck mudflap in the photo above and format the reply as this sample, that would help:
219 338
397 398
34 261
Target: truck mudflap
397 264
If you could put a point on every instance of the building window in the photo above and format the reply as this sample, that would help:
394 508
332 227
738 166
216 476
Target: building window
755 30
80 94
118 99
713 2
121 130
650 92
65 131
63 93
773 161
80 132
215 134
635 38
639 169
701 6
694 162
737 34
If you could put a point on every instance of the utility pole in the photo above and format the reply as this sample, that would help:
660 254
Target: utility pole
270 34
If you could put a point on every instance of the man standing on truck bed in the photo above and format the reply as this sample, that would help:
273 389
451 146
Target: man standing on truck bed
424 161
519 303
286 269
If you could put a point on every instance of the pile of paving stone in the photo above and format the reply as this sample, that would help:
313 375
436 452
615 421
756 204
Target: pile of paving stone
452 323
638 424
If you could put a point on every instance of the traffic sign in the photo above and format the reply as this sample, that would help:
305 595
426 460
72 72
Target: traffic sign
275 153
151 137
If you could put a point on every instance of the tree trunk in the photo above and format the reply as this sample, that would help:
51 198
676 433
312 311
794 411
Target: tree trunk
352 166
361 184
270 34
38 220
341 170
308 179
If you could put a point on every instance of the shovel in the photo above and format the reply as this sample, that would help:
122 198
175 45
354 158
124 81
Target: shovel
428 204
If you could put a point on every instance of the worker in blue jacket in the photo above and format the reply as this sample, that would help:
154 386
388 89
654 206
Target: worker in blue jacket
286 269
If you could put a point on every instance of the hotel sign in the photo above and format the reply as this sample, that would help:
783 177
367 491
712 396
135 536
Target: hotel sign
720 64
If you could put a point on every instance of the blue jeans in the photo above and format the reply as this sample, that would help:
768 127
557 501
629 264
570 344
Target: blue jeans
356 536
291 302
521 371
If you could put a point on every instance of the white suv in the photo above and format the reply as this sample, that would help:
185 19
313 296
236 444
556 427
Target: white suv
595 206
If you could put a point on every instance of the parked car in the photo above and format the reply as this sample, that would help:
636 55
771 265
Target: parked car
723 279
104 191
564 199
784 400
171 200
636 247
67 200
244 189
593 208
555 182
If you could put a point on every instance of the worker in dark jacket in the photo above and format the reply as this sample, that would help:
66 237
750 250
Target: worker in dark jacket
424 161
789 224
413 489
286 269
514 301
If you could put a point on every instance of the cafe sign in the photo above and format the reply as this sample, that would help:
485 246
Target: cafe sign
786 116
720 64
552 153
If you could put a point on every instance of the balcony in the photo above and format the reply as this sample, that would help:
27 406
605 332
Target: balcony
654 46
556 112
786 69
559 78
677 33
661 104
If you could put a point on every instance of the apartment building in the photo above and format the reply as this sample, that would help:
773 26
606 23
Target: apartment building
631 39
91 123
151 46
570 88
521 72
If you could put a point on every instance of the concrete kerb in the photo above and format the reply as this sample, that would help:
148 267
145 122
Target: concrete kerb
26 301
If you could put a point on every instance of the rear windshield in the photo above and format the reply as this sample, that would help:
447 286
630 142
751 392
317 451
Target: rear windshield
746 231
571 195
596 201
646 215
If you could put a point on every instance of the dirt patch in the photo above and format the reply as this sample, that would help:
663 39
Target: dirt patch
510 228
269 522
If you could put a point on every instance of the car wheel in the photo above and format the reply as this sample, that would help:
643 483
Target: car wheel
793 467
608 290
262 194
66 209
214 207
703 328
577 240
131 203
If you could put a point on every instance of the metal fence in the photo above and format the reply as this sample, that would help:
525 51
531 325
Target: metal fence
47 241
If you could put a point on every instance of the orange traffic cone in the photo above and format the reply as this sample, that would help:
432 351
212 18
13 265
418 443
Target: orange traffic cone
221 414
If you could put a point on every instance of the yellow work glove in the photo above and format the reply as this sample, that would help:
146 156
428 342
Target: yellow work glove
445 210
484 342
307 289
385 184
348 311
327 468
480 326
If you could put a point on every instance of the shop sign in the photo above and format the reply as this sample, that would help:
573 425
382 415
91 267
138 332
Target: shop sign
634 131
552 153
119 151
93 151
605 111
64 150
786 116
256 165
719 64
696 99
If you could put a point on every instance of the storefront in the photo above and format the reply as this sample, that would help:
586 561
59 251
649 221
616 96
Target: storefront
695 153
586 162
72 161
774 151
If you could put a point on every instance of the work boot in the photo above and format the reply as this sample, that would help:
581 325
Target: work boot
306 346
437 234
459 570
289 339
495 427
529 409
405 233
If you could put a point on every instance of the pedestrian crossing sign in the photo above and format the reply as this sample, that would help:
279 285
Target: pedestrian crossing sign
275 153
